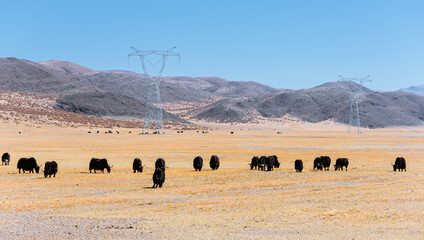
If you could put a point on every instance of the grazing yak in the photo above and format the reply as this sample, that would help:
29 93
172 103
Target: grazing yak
254 163
340 163
298 165
158 177
326 162
400 164
214 162
137 165
269 163
261 163
50 168
276 163
5 159
198 163
28 164
160 163
318 163
99 164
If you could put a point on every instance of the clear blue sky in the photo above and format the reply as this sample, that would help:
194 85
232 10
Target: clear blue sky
285 44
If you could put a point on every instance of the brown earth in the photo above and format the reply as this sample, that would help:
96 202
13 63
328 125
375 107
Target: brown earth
369 201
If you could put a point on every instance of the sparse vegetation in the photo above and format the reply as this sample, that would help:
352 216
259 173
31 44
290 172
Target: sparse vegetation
368 201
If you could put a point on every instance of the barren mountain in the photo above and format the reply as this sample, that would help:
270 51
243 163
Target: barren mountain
319 104
122 94
419 90
108 105
343 85
19 75
68 67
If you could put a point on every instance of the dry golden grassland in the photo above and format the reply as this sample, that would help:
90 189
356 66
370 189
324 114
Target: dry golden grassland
369 201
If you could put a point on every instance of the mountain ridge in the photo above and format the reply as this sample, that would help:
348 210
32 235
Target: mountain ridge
123 93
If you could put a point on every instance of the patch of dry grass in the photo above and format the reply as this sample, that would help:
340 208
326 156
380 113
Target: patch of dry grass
368 201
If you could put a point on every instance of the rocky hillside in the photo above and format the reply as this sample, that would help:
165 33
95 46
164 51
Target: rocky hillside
319 104
19 75
121 94
108 105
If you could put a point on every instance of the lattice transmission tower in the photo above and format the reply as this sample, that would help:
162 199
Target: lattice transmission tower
153 115
354 93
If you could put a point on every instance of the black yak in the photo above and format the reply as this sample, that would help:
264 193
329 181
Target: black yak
5 159
261 163
50 168
254 162
400 164
318 163
28 164
298 165
326 162
158 177
198 163
276 162
160 163
269 163
137 165
214 162
340 163
99 164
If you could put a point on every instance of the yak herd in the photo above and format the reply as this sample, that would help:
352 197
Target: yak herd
264 163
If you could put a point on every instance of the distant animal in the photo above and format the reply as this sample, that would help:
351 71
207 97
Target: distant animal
261 163
214 162
400 164
129 132
198 163
298 165
269 163
326 162
89 131
98 131
276 163
279 133
254 163
318 163
160 163
182 131
5 159
178 131
110 131
340 163
158 177
117 132
232 132
50 168
28 164
99 164
137 165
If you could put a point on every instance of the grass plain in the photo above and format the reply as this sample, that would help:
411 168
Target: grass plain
369 201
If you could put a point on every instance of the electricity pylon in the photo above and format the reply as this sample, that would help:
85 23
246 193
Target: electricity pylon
354 94
153 103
